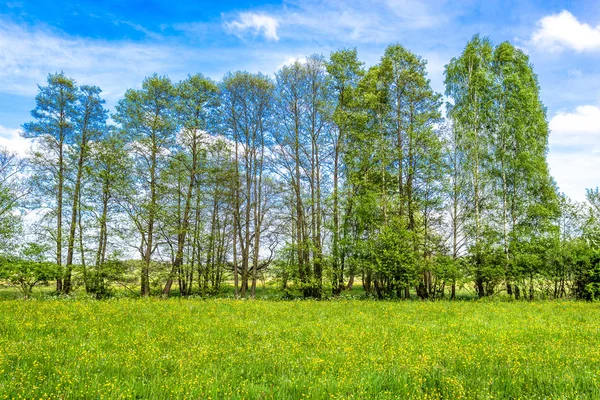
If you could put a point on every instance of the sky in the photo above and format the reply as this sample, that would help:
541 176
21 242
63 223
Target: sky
114 44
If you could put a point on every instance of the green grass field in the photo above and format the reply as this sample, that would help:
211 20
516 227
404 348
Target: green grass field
223 348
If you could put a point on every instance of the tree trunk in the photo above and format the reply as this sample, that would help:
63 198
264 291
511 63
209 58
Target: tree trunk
185 222
145 281
74 215
59 210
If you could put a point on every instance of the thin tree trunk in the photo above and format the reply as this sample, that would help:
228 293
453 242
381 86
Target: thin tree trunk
74 214
185 222
145 281
59 208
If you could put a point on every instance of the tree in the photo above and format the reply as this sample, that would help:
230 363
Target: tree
13 192
319 124
197 98
290 95
108 190
28 269
147 115
413 113
370 242
394 167
345 71
303 116
246 113
526 190
53 130
469 86
89 126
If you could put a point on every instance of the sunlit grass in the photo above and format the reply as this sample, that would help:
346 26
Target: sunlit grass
267 349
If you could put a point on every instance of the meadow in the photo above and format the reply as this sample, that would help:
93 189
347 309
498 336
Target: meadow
224 348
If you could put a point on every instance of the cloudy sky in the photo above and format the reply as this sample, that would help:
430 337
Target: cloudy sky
116 43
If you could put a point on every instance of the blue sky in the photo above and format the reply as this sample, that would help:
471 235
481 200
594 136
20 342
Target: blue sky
115 44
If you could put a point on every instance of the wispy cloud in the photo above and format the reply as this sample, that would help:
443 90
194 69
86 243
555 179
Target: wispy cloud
419 14
255 24
27 55
367 21
196 31
563 31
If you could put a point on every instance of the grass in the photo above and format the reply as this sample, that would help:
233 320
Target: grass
268 291
220 348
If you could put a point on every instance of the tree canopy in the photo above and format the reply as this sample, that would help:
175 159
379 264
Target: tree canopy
325 174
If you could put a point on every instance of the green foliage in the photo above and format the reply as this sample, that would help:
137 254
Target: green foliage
13 192
99 278
28 269
591 289
336 172
587 273
55 110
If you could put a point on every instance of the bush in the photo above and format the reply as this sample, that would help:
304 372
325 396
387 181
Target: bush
99 278
28 269
591 289
26 274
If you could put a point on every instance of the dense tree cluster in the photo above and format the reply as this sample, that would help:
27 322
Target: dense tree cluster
326 173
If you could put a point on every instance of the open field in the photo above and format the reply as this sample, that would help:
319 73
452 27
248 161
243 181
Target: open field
267 349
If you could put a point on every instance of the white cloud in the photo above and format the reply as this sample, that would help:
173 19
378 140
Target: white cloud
255 24
578 128
291 60
575 150
574 173
12 140
558 31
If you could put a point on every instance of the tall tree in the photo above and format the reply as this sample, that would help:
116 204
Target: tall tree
318 115
147 115
303 117
197 98
246 114
291 90
89 126
469 86
345 71
53 130
525 188
108 188
414 112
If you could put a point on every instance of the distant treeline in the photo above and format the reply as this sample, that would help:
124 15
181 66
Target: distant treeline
326 173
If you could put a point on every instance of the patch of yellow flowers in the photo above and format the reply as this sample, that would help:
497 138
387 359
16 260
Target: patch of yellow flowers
51 349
